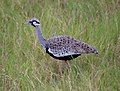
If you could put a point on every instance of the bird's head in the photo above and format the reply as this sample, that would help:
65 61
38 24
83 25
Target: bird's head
34 22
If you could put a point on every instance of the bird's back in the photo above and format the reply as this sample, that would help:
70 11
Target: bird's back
63 46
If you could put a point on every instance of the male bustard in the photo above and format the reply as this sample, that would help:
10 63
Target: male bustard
62 47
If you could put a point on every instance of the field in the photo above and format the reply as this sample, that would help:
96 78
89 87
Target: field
24 65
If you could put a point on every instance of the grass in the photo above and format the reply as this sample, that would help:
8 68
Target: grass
24 66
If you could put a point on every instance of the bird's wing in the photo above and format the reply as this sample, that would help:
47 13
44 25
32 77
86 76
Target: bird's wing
64 46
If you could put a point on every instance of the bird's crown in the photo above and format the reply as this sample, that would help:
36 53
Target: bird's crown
34 22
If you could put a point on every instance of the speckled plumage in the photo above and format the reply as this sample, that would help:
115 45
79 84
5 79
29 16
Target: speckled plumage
63 46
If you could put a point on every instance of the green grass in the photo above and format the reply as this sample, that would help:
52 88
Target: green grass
24 66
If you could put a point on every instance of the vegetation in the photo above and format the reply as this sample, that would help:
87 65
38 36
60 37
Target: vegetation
24 66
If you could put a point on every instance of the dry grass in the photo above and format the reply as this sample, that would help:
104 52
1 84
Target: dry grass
24 66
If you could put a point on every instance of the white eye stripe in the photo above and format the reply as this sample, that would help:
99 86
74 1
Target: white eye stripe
34 23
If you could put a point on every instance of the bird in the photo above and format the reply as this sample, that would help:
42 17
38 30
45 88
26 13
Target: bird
62 47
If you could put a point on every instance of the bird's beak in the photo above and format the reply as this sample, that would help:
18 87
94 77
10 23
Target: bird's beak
29 22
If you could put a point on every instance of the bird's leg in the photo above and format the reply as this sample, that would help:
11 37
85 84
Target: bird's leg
58 69
62 67
66 66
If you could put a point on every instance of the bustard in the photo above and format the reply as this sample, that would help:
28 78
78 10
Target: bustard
62 47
